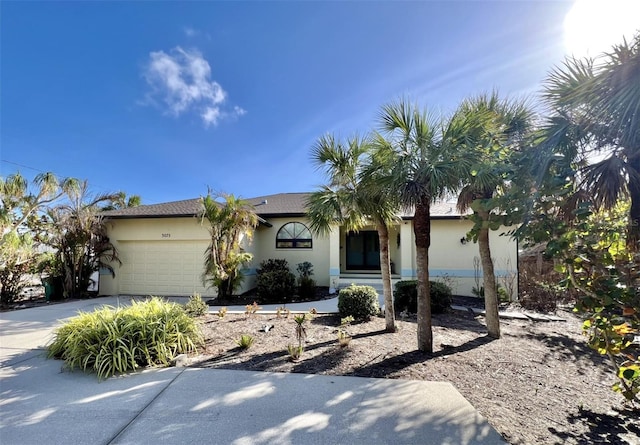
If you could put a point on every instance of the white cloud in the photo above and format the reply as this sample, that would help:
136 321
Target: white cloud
190 32
181 81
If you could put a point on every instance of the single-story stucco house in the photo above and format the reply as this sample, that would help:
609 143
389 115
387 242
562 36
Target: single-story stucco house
162 247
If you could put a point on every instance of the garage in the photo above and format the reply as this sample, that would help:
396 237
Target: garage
162 267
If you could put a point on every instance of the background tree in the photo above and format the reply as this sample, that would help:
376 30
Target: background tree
595 125
77 234
21 204
583 208
500 128
351 199
420 166
122 201
230 221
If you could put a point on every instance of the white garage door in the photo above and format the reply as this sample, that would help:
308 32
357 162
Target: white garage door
162 268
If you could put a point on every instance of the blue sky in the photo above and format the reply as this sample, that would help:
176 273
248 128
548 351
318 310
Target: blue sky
165 99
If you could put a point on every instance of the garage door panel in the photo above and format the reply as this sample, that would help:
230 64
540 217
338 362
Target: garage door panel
162 267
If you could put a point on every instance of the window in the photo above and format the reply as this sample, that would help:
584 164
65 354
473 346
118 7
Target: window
293 235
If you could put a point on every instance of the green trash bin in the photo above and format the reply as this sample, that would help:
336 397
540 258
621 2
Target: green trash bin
53 288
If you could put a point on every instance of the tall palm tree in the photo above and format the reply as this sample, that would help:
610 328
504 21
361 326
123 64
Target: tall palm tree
420 168
501 127
596 114
78 234
350 200
229 219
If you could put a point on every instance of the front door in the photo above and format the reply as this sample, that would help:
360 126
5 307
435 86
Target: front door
363 250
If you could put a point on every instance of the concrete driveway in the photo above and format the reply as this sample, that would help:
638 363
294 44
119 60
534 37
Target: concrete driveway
40 403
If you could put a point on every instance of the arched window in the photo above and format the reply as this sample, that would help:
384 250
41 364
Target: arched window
294 235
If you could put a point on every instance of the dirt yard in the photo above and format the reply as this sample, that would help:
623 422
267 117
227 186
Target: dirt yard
538 384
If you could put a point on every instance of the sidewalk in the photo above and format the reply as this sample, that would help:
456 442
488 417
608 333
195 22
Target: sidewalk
41 404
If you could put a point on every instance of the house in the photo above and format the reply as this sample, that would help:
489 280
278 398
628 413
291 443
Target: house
162 247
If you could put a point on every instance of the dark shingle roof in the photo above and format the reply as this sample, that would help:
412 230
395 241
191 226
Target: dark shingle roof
187 207
281 204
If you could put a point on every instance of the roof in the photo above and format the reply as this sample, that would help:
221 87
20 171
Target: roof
187 207
281 204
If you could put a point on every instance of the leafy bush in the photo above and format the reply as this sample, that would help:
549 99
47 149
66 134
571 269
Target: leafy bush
306 284
406 296
110 341
275 281
359 302
195 307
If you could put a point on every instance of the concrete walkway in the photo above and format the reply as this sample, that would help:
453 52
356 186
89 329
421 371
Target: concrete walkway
41 404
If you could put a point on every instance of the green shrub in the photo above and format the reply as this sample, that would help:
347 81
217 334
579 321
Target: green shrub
275 282
110 341
195 307
306 284
406 296
359 302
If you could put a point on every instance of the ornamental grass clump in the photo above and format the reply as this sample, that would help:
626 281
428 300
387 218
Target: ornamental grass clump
109 341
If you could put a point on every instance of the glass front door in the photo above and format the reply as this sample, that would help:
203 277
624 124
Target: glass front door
363 251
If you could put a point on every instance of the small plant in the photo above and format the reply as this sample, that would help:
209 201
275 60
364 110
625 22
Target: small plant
222 312
343 338
360 302
301 334
301 331
346 321
252 309
245 341
295 352
195 307
283 312
306 284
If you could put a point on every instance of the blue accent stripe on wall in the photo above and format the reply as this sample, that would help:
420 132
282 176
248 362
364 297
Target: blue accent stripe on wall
334 271
457 273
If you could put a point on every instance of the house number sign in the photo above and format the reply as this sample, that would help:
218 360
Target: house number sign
166 235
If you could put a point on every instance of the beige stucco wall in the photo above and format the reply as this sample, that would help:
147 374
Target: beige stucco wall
452 261
264 248
449 259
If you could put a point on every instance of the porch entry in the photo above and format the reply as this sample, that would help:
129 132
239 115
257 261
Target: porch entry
363 250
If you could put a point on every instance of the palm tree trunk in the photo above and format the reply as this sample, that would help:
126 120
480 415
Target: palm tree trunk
489 280
422 231
633 232
385 269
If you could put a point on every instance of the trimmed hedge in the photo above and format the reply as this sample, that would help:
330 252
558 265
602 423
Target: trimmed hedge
406 296
275 282
109 341
359 302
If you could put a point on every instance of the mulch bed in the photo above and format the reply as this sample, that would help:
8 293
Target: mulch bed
539 383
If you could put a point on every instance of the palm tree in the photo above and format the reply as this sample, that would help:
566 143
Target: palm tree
351 201
596 105
500 128
418 165
228 222
122 201
78 234
18 203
